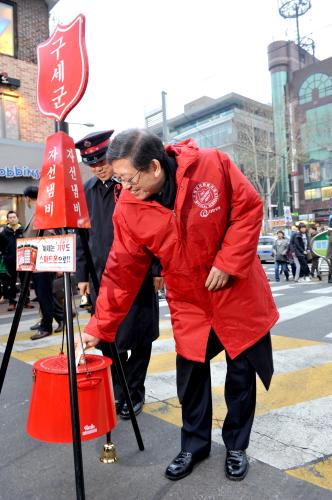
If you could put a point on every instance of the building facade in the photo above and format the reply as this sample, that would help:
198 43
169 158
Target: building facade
302 110
23 130
237 125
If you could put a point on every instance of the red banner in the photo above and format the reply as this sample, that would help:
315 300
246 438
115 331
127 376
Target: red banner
62 70
61 199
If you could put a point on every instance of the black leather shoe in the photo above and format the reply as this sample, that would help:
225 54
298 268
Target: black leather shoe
236 465
35 326
40 335
118 406
182 465
59 328
124 413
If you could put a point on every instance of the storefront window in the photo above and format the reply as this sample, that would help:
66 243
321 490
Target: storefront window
312 194
7 28
327 193
9 117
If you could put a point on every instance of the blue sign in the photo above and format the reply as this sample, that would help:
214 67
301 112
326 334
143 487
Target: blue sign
18 172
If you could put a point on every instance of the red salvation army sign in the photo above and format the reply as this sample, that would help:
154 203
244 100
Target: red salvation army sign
62 69
61 201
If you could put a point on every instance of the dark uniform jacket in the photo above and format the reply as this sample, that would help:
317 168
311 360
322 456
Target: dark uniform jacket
141 325
8 239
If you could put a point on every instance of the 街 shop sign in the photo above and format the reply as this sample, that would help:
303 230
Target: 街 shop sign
47 253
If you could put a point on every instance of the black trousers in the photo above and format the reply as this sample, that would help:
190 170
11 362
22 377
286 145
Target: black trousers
135 368
194 392
50 307
304 265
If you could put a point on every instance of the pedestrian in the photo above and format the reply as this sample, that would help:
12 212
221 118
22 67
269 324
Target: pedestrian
301 247
314 258
141 326
195 211
280 251
43 282
329 251
8 238
295 263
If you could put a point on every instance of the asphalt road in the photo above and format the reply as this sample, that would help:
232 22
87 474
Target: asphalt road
291 446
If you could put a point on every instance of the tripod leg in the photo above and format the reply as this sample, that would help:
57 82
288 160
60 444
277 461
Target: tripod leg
75 418
122 378
14 327
115 354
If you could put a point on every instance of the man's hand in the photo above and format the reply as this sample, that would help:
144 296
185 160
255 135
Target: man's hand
216 279
88 341
158 283
83 287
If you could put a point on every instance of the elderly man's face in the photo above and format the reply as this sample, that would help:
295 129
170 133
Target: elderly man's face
102 170
141 183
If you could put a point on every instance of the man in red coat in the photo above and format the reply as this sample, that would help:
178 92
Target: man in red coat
194 210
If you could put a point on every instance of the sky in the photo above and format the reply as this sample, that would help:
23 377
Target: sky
187 48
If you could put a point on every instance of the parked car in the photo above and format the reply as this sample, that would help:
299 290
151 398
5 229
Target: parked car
264 248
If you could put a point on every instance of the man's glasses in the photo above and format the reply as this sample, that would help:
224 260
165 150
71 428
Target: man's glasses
129 182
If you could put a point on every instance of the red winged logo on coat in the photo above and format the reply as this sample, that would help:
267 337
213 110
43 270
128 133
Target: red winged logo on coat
62 69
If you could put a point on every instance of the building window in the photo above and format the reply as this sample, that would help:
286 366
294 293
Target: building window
312 194
318 81
9 117
7 29
327 193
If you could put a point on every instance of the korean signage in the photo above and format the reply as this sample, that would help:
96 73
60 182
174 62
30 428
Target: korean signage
62 70
61 200
49 253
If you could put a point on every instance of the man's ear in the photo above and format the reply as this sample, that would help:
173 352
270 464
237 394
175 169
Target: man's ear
155 164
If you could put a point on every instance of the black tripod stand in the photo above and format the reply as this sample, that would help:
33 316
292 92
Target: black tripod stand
77 447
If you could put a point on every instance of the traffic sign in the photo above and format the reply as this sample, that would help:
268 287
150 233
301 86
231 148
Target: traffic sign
321 244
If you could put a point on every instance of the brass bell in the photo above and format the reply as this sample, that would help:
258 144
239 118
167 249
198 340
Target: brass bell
108 455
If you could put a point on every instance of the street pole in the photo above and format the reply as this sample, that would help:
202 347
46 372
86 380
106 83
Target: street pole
163 108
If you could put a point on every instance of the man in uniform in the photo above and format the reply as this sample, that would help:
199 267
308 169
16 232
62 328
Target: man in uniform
194 210
141 326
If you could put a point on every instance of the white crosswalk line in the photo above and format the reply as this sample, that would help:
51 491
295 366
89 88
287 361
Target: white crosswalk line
162 386
304 307
321 291
293 435
276 288
26 345
277 294
328 336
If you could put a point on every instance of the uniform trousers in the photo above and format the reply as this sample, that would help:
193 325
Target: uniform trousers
194 392
135 368
49 306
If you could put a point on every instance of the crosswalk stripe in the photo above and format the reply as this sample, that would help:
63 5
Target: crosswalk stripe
292 436
321 291
163 358
287 389
281 287
304 307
